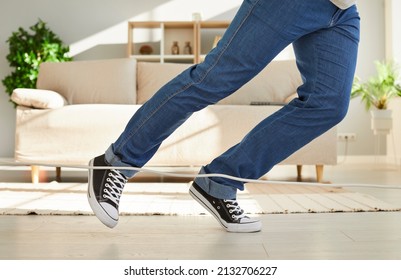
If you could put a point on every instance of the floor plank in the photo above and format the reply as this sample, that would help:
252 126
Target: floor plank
367 235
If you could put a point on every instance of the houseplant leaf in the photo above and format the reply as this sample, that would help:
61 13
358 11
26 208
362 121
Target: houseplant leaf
27 50
378 90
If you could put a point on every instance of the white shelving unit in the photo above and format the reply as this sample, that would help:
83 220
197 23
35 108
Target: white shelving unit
161 35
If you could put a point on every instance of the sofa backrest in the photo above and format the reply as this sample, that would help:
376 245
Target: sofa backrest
152 76
111 81
276 83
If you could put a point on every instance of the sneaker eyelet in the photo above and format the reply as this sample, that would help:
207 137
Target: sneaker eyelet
218 207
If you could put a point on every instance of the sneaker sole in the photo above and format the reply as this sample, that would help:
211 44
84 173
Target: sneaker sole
242 228
97 209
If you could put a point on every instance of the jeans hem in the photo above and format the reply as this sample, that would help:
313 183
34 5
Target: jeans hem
215 189
114 160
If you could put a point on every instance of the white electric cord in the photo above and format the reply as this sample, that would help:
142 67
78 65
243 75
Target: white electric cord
182 175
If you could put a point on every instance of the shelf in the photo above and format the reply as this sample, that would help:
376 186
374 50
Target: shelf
165 58
214 24
179 57
161 36
146 57
210 32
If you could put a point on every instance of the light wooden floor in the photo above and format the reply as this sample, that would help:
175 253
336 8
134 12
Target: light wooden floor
289 236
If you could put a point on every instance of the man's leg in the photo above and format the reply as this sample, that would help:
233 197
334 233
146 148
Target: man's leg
326 59
260 30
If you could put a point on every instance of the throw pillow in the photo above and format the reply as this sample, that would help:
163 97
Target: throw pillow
38 98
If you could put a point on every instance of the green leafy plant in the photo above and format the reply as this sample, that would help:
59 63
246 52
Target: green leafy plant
378 90
28 51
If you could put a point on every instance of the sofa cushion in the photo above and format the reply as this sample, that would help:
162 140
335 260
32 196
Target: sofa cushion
275 83
152 76
38 98
72 135
291 97
111 81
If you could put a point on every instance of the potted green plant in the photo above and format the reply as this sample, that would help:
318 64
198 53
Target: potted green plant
28 51
377 92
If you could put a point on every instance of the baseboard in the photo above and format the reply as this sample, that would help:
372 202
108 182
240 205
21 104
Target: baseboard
369 159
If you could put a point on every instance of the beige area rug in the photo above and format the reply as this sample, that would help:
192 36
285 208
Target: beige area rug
173 199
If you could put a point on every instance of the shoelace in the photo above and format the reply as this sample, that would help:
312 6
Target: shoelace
114 187
234 209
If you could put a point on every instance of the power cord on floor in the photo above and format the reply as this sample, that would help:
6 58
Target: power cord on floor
210 175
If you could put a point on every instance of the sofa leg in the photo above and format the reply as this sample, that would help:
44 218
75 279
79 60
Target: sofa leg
319 173
299 172
58 174
35 170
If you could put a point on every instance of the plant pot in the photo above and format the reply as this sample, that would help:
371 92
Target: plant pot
381 121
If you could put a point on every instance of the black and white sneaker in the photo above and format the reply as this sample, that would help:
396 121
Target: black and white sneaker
230 215
105 187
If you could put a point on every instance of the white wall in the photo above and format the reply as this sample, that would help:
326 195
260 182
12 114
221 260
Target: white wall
393 52
372 47
97 29
94 29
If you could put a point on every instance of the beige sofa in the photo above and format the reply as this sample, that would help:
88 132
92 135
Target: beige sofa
81 107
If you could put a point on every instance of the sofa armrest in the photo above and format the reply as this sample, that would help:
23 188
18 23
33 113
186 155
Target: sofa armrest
38 98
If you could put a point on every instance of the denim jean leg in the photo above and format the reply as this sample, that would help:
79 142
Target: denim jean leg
326 59
237 58
259 31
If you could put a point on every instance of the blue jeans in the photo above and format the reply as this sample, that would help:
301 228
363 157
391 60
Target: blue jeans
325 40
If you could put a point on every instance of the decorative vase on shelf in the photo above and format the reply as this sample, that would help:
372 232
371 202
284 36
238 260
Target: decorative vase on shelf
175 49
216 41
187 48
145 50
381 121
